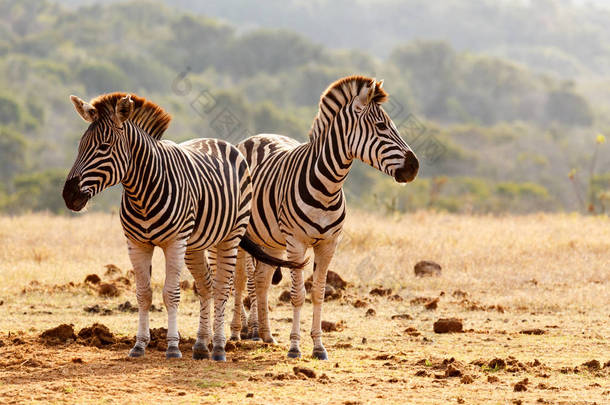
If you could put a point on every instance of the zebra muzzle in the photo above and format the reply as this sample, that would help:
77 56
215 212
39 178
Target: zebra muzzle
74 198
409 169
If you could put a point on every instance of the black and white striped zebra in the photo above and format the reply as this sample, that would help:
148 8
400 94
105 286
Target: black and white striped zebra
183 198
298 192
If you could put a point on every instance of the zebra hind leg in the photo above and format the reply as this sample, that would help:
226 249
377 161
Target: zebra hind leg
226 255
252 324
197 264
174 260
239 317
141 256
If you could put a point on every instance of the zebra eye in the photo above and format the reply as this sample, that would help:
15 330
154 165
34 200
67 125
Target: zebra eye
381 126
104 147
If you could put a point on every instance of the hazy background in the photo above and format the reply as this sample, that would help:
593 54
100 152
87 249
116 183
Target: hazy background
505 102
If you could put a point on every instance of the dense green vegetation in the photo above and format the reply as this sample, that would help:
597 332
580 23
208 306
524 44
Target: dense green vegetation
495 132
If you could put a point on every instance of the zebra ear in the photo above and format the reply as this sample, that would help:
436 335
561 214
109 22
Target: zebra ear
124 109
84 109
366 94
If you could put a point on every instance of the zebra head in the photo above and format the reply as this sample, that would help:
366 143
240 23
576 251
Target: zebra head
374 138
103 156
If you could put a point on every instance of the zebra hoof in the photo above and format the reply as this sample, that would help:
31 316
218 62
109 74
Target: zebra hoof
218 354
244 334
136 351
235 338
200 352
271 340
173 352
294 353
319 353
255 336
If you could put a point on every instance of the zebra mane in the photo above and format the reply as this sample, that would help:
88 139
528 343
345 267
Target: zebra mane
339 94
147 115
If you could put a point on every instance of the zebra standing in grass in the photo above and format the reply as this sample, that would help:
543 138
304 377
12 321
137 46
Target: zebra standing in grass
183 198
298 192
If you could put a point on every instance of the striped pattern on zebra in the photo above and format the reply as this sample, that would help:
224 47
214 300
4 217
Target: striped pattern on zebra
184 198
298 192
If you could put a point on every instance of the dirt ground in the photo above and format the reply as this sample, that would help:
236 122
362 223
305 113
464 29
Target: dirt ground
532 294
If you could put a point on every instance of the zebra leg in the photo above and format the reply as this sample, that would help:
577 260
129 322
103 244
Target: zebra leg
239 284
262 276
252 330
296 252
197 264
174 260
323 255
141 256
226 256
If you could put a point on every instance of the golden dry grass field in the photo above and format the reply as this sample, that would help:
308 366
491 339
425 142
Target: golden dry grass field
547 274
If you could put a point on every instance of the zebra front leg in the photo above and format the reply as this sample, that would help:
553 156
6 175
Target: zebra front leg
323 255
226 255
141 256
239 283
296 252
174 260
197 264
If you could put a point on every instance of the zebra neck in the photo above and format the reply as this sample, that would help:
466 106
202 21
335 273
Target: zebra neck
145 168
329 164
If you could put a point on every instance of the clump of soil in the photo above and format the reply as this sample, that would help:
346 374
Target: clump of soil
332 279
592 365
307 372
427 268
448 325
112 269
370 312
93 279
360 304
432 304
328 326
402 317
466 379
535 331
492 379
459 293
123 280
452 371
58 335
497 364
331 293
284 296
381 292
97 309
521 385
96 335
108 290
412 331
127 307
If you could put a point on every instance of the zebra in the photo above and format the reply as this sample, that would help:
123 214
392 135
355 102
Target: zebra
184 198
298 194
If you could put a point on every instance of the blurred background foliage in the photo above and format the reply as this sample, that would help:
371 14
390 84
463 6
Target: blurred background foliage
515 92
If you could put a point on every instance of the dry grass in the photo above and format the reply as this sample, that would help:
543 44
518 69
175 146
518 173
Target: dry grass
545 271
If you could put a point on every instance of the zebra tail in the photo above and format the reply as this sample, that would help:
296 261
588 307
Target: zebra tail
277 276
259 254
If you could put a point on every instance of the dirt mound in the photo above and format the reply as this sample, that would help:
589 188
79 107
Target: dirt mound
284 296
97 309
360 304
93 279
127 307
448 325
58 335
108 290
521 385
592 365
96 335
328 326
370 312
535 331
427 268
432 304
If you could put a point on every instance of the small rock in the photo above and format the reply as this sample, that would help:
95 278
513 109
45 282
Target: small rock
250 395
93 279
371 312
492 379
497 364
451 371
402 317
427 268
59 334
77 360
411 331
448 325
